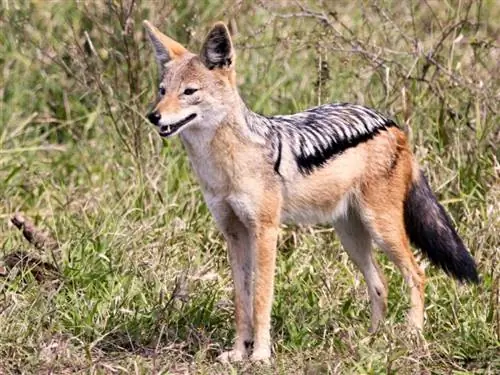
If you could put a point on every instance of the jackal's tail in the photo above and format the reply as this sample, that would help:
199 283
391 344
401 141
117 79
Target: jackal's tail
431 230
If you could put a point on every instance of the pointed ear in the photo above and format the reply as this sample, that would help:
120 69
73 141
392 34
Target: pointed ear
166 49
217 50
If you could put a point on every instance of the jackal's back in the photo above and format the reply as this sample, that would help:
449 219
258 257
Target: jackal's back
314 137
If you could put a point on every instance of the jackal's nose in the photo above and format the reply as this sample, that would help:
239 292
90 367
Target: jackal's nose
154 117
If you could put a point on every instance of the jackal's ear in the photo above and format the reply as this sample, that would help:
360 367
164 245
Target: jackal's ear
166 49
217 50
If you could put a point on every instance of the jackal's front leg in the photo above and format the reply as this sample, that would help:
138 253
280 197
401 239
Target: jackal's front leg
265 263
241 259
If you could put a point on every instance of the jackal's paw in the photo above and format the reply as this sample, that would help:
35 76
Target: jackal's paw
232 356
261 355
416 320
374 327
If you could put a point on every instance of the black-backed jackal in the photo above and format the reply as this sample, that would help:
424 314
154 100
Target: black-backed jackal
343 164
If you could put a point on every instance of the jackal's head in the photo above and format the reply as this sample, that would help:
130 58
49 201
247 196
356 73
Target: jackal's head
195 91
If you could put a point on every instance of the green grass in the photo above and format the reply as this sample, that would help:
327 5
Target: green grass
145 284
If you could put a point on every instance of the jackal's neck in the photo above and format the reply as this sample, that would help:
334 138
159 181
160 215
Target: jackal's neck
256 123
240 121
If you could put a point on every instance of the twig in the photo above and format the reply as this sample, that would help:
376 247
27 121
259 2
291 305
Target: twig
38 238
35 236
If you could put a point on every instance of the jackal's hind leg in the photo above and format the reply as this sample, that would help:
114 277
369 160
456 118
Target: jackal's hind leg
356 240
390 235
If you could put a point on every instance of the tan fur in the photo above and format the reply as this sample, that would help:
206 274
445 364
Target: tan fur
324 188
385 213
361 191
169 105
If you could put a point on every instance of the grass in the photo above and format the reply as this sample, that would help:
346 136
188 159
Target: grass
144 283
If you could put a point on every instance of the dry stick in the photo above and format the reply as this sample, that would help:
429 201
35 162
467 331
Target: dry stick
41 240
36 237
104 93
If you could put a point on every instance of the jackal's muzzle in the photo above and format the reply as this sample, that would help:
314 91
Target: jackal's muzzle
168 129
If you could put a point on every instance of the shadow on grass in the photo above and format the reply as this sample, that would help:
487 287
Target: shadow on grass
188 328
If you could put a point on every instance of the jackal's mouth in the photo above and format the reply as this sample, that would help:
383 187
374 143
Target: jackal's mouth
168 130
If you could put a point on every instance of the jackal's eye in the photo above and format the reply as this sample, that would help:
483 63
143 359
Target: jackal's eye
189 91
162 90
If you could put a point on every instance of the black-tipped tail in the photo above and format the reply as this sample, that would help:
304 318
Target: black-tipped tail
431 230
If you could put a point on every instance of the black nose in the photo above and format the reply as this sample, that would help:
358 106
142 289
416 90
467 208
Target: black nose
154 117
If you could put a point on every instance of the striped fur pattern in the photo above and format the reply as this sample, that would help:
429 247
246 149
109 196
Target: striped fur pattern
318 134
